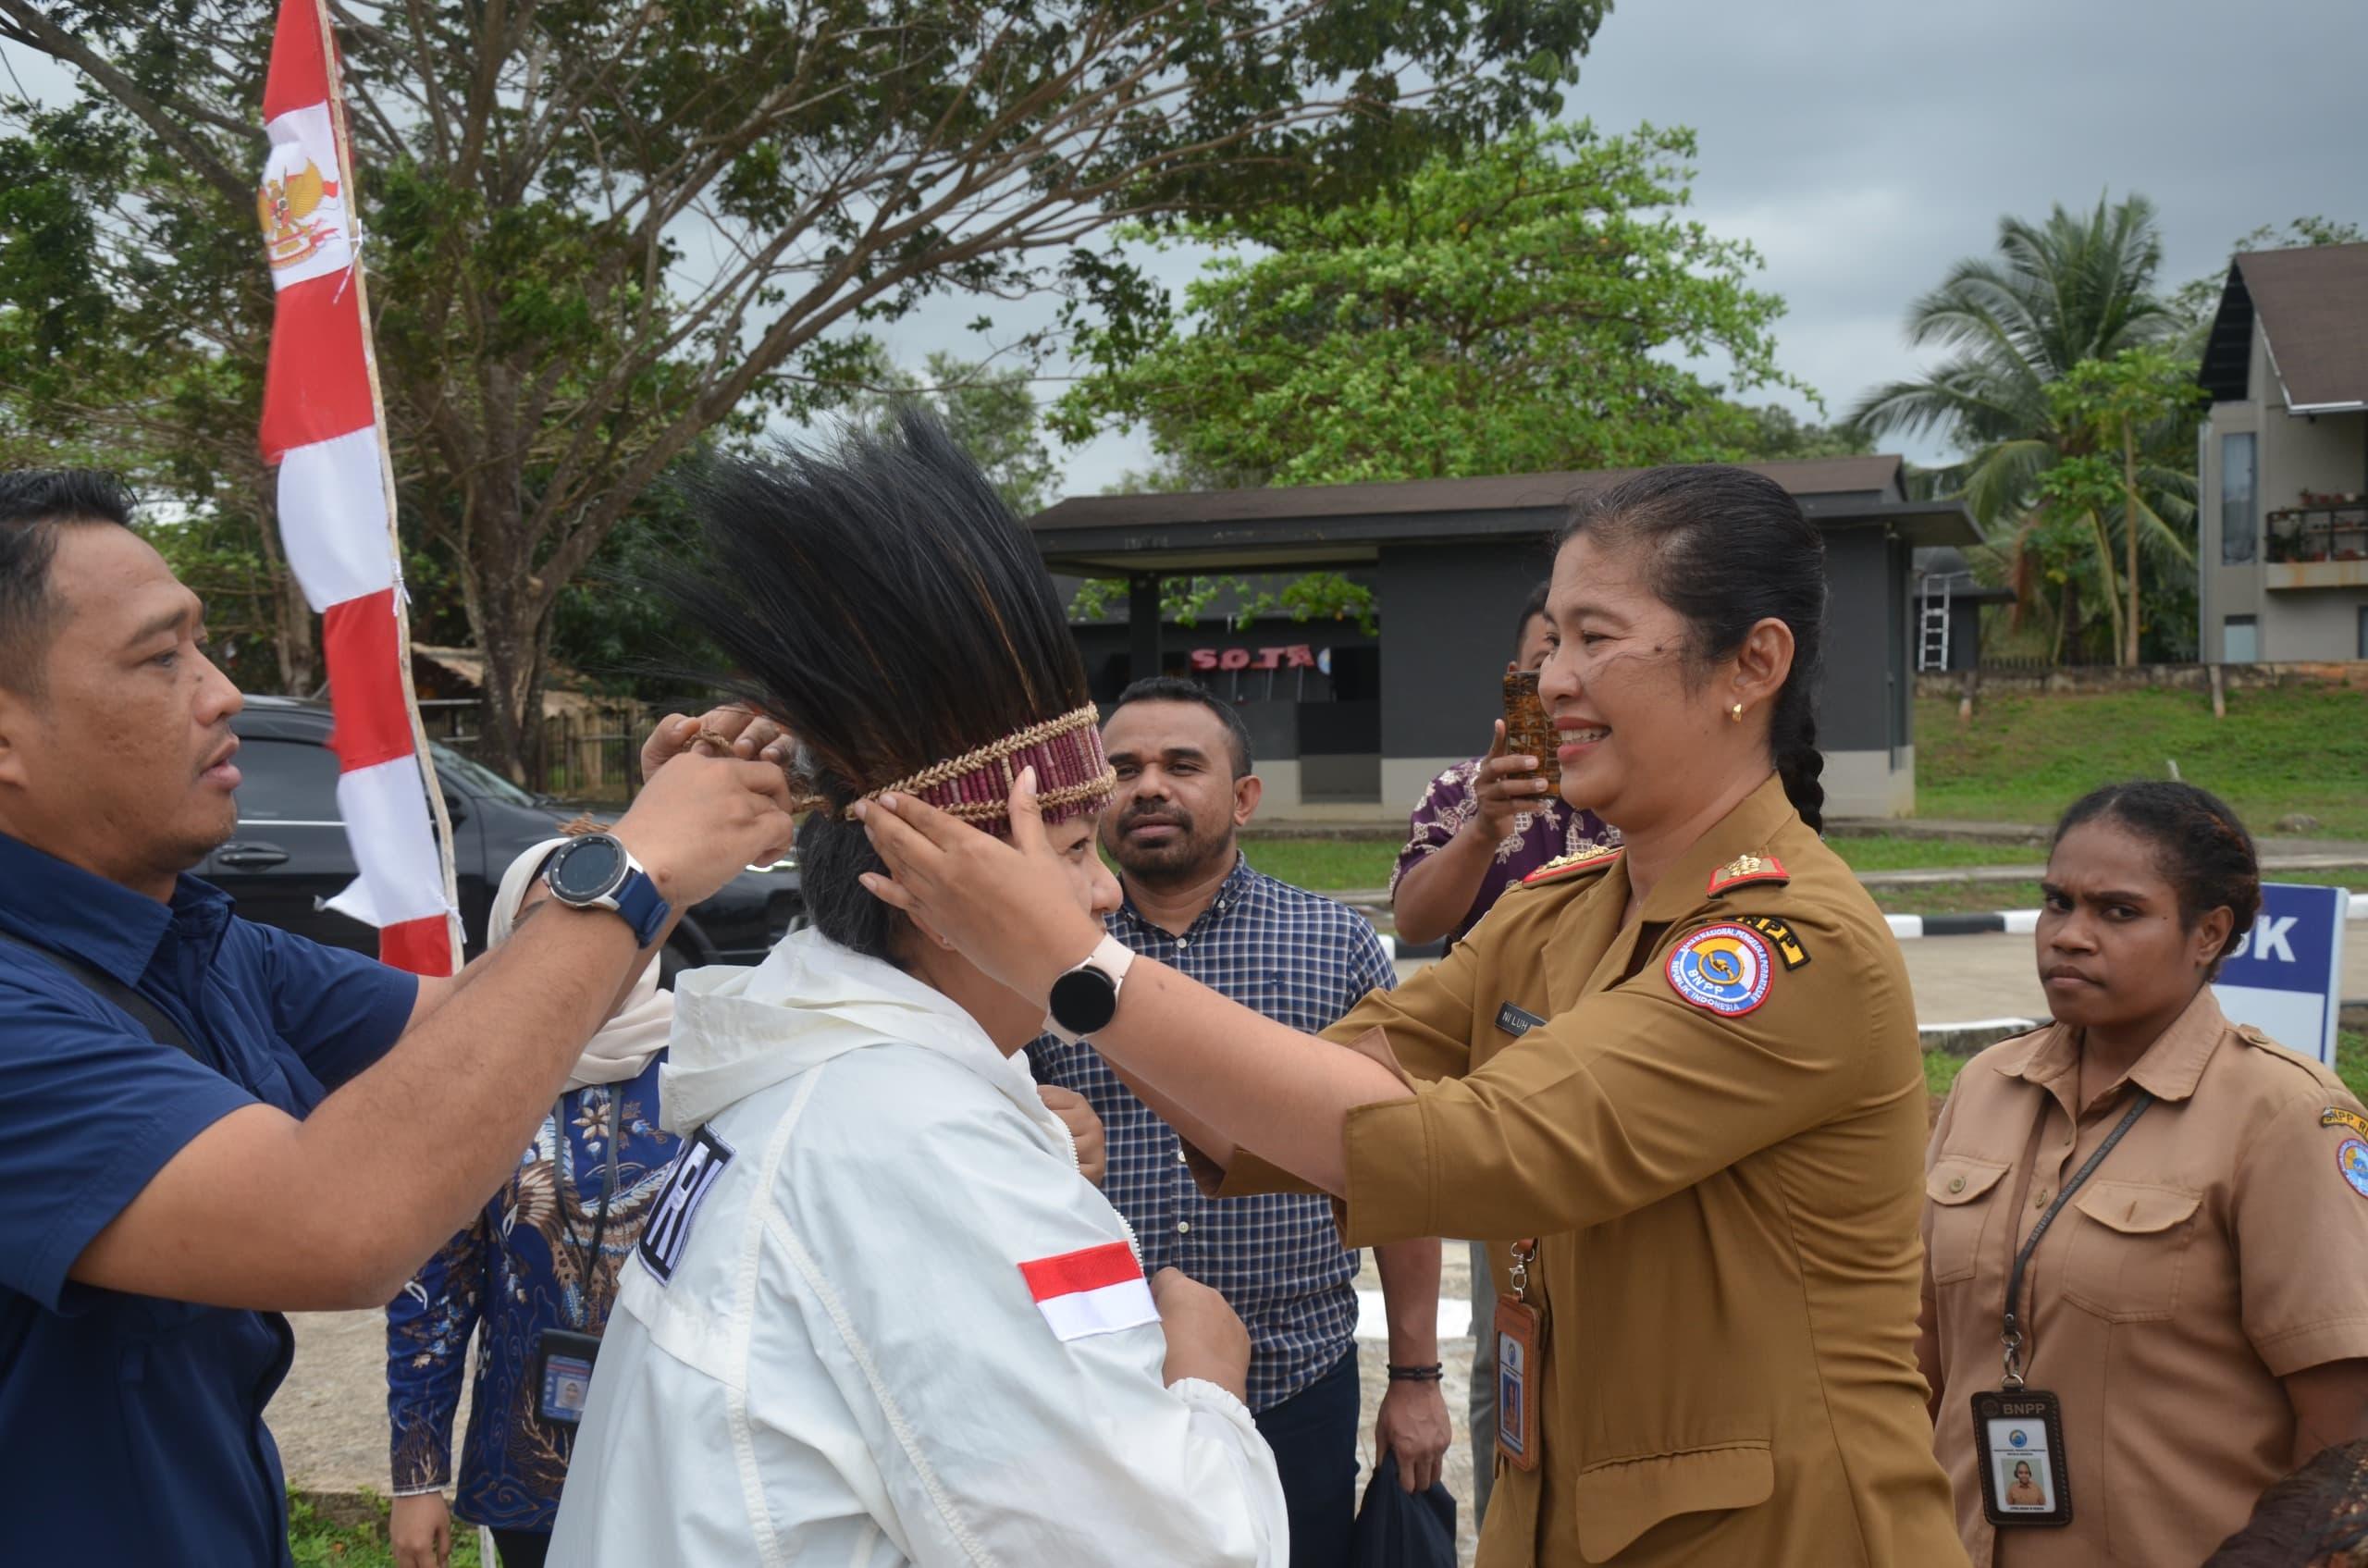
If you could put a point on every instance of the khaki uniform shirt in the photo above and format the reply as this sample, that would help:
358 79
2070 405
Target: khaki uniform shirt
1725 1201
2219 1247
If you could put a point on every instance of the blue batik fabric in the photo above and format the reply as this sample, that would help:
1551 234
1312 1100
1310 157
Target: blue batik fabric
518 1269
1303 960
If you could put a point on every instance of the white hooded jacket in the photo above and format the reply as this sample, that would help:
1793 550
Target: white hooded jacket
825 1351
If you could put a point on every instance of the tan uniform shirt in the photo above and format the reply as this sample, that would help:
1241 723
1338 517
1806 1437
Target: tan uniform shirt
2219 1247
1725 1191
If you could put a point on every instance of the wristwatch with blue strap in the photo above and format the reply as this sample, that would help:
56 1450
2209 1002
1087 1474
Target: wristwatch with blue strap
595 871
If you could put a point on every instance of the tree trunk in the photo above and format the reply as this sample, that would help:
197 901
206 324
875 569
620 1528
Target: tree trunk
2112 588
2129 524
291 615
511 638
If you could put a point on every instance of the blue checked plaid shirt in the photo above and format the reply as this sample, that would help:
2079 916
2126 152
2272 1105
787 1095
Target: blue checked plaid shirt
1303 960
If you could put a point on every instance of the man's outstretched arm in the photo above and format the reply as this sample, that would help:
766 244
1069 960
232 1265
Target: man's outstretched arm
336 1210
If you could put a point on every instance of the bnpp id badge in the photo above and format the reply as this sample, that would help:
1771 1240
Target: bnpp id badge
2018 1440
563 1374
1516 1330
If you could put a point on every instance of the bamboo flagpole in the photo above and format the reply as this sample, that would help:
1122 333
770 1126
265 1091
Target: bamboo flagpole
324 426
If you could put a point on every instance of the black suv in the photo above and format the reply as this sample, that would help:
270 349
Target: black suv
290 853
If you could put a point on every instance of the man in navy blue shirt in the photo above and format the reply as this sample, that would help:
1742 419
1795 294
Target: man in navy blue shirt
331 1122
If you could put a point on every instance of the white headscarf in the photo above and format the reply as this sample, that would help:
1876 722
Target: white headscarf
636 1033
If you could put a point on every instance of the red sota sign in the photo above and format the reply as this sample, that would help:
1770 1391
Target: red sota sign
1298 656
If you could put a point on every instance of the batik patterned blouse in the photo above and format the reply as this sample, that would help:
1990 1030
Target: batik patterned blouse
519 1269
1550 832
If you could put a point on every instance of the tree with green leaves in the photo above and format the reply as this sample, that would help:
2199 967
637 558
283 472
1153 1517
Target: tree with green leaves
1512 308
600 232
2112 411
2079 286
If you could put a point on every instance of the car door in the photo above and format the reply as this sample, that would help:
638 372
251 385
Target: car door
289 851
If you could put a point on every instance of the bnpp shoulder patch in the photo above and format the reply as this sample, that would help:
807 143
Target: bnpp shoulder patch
688 1185
1724 970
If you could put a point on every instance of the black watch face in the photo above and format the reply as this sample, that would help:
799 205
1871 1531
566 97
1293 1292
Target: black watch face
1084 1001
587 868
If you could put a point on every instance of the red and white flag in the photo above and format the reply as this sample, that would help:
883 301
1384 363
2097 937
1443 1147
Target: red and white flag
1098 1290
322 426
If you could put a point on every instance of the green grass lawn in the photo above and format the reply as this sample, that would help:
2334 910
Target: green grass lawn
2024 758
320 1542
1891 852
1325 865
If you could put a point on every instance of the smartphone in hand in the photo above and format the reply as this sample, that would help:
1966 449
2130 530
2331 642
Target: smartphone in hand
1528 728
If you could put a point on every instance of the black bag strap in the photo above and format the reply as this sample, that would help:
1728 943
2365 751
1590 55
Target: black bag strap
159 1025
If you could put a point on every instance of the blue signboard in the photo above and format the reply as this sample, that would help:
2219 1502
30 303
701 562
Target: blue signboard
2285 979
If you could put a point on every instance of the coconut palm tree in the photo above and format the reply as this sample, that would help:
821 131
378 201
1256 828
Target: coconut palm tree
2075 288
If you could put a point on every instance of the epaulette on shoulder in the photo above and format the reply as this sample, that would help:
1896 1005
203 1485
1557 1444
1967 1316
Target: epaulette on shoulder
1745 868
1563 869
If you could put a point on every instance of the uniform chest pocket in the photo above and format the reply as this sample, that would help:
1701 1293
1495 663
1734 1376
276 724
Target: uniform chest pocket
2128 1244
1959 1188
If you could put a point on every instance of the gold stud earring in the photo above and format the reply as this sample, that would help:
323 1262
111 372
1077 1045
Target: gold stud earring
1734 714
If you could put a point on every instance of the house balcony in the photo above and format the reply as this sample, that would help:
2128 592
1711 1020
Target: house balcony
2320 545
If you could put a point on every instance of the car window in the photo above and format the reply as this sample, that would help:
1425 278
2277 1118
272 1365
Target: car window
475 777
287 781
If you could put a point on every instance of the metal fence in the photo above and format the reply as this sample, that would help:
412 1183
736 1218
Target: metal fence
590 753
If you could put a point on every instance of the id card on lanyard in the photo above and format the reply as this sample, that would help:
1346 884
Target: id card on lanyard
564 1357
1517 1368
2018 1430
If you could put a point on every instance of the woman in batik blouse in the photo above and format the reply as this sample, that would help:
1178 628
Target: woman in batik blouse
1484 824
539 1265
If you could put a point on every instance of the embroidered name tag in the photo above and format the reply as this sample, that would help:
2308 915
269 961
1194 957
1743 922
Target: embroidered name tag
669 1231
1517 1021
1098 1291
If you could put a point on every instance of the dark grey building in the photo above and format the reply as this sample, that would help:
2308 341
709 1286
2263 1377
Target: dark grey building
1353 726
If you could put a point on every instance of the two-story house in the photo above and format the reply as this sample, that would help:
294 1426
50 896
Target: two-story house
2282 513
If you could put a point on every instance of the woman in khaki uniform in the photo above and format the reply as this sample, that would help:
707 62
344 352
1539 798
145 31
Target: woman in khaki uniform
1683 1076
2198 1305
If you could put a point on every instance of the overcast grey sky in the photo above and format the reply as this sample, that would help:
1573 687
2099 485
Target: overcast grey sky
1863 146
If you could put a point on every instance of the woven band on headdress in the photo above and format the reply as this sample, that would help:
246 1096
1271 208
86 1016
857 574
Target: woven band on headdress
1072 775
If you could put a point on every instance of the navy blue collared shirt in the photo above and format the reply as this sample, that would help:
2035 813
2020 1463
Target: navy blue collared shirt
1303 960
131 1426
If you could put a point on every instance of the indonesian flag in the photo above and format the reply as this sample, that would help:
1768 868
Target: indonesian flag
322 426
1098 1290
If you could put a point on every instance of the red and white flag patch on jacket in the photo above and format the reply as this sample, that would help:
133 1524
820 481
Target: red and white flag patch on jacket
1098 1290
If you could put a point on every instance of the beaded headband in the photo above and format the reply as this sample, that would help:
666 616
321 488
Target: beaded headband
1072 775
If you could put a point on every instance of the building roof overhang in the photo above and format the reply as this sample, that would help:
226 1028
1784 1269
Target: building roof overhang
1336 525
2312 303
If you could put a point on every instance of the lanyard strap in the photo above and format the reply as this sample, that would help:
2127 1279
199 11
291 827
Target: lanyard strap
2012 1334
591 1259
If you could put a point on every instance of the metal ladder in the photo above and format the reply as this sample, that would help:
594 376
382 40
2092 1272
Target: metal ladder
1932 621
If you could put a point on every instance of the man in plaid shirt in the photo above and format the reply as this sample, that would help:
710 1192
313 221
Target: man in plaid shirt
1185 787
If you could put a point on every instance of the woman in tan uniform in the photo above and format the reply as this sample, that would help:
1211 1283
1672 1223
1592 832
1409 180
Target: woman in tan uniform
1681 1078
2195 1303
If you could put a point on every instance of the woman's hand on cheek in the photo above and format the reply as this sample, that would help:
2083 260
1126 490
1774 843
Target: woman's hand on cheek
1013 909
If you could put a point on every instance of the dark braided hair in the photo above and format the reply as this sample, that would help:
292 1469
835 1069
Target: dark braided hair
1727 548
2203 850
